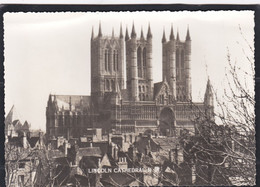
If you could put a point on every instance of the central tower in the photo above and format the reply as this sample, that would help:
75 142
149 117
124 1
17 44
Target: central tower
139 65
107 69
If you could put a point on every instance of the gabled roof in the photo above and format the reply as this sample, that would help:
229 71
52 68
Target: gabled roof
76 101
89 151
166 143
158 86
55 153
118 179
32 141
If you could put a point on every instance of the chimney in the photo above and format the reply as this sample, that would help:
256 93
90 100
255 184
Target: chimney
25 145
171 155
116 152
66 148
193 173
99 163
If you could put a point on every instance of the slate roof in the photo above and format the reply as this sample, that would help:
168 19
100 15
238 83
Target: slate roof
17 141
32 141
157 87
55 153
90 161
89 151
62 161
77 101
166 143
117 179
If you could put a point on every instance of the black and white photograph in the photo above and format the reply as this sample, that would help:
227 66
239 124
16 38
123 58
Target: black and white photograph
142 98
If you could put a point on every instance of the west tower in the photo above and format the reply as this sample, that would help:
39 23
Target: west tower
107 69
139 65
176 65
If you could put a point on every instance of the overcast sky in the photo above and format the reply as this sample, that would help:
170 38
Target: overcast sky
50 52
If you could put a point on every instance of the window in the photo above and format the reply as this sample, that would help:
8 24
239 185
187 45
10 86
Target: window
107 85
114 60
20 180
182 59
117 66
144 57
106 59
113 85
139 61
22 165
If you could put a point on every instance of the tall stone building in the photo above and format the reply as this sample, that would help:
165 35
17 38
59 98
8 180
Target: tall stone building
141 106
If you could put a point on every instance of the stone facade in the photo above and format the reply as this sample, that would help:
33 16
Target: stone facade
164 108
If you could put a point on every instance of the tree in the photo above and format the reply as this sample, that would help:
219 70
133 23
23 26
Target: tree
223 148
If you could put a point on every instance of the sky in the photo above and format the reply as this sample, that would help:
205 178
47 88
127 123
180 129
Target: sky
49 53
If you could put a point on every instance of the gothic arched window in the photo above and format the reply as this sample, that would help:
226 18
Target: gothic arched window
114 60
107 85
139 61
113 85
117 62
177 59
144 57
182 65
106 59
182 58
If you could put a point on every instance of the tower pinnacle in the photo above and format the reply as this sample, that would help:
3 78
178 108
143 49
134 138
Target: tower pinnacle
126 34
142 34
163 38
171 35
92 34
99 31
121 31
208 98
133 33
149 33
188 34
177 37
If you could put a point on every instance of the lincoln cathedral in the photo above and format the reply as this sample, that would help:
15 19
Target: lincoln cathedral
127 108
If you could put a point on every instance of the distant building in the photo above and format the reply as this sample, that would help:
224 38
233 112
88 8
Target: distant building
13 125
21 151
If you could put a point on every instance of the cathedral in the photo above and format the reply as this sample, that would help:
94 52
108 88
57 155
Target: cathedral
136 105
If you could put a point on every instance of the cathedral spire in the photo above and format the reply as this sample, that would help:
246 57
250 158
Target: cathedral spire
208 98
177 37
133 33
121 31
149 33
126 34
99 30
188 34
172 34
92 34
142 34
163 38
